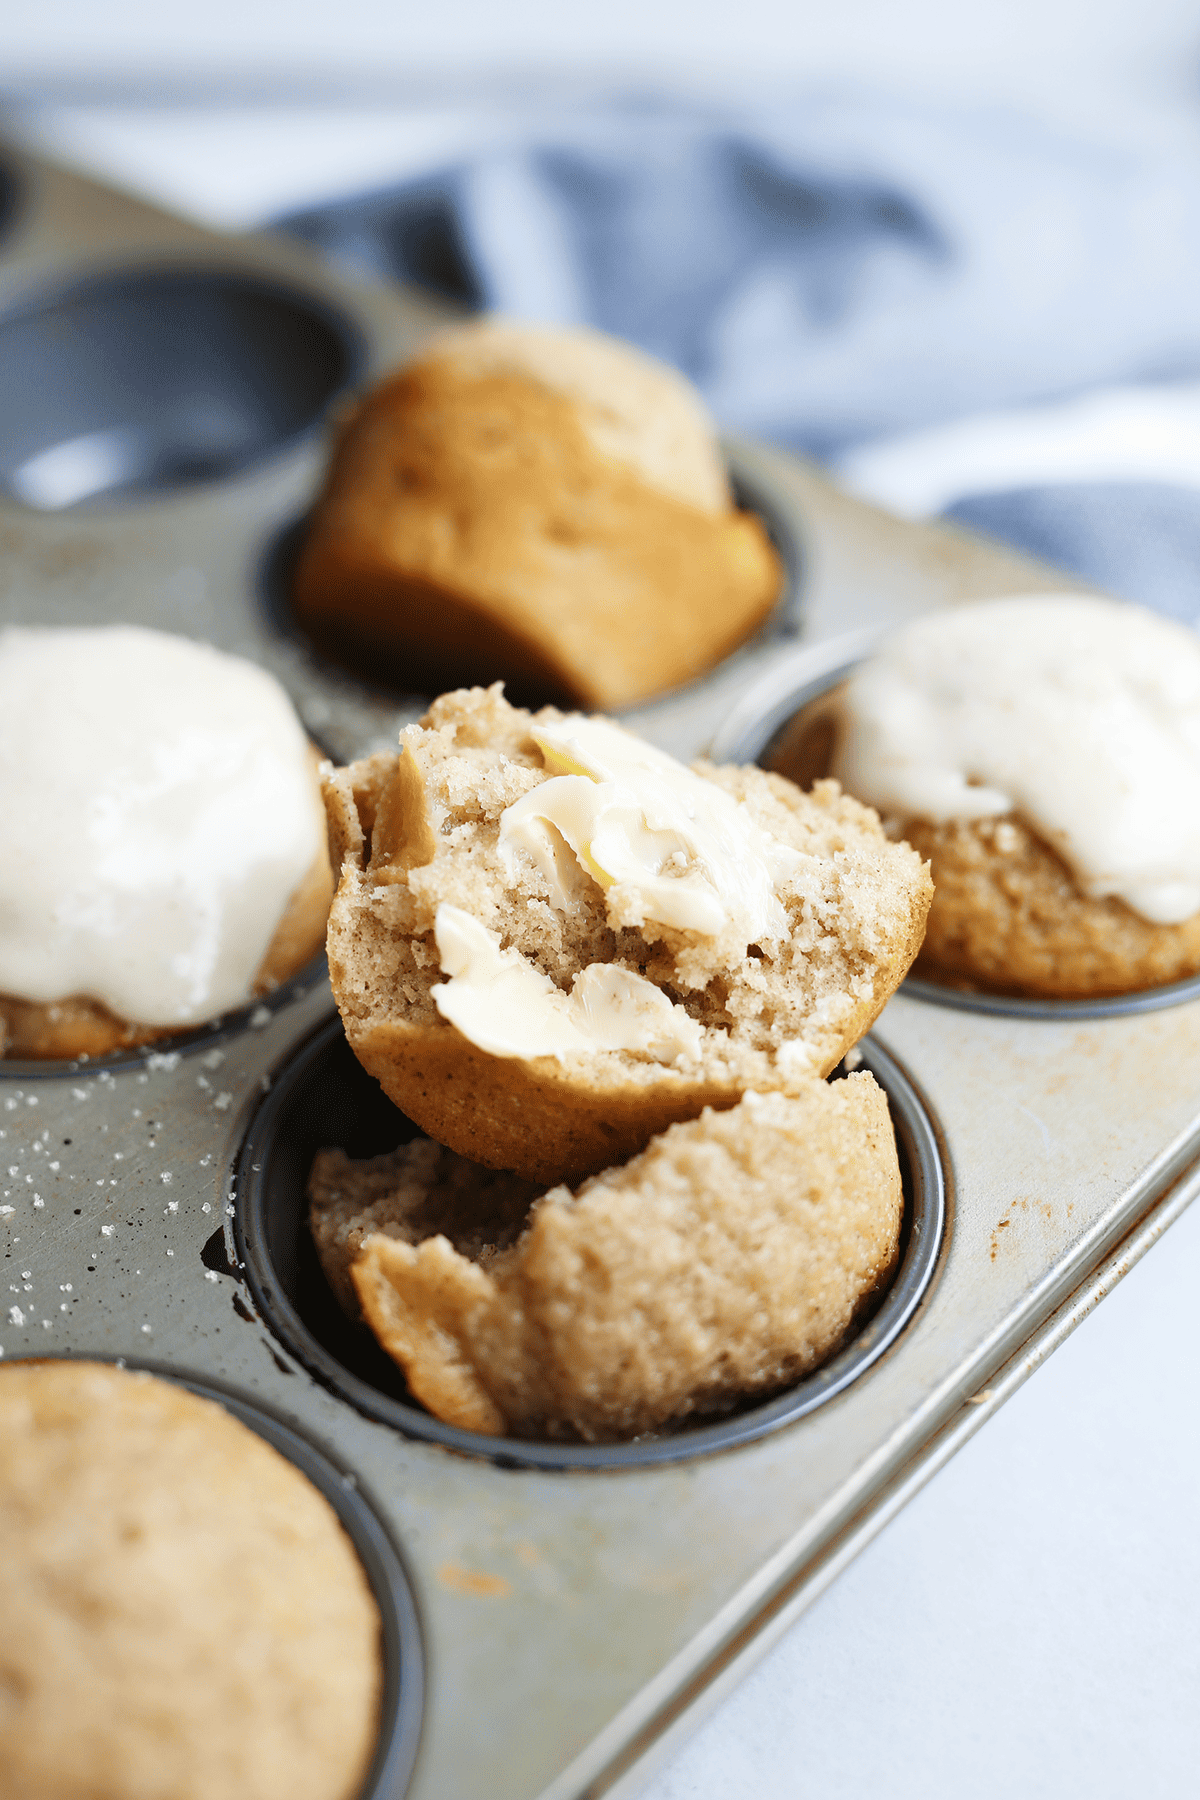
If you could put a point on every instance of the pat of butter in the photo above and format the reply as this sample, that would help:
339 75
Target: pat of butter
508 1008
688 853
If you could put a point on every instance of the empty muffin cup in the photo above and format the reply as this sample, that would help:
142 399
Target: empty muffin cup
149 381
10 198
321 1097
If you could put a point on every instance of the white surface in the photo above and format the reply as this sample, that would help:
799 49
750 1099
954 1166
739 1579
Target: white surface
1029 1626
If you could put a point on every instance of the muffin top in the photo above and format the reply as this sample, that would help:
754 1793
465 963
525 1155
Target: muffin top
634 409
183 1613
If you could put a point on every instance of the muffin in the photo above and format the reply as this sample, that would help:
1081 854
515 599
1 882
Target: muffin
550 940
183 1613
1044 753
165 853
547 507
724 1262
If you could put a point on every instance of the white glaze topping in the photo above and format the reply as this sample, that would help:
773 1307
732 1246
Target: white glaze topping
1080 714
157 810
507 1007
683 851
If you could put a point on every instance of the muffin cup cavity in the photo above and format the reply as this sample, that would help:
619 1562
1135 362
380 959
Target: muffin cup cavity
321 1097
783 724
149 381
402 1699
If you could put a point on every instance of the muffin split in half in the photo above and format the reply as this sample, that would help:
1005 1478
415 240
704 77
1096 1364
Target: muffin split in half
425 840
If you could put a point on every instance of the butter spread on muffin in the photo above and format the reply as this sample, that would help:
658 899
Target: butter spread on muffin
182 1611
725 1261
688 935
1045 752
543 506
164 843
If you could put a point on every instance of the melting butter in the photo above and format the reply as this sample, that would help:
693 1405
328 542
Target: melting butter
507 1007
1080 714
688 853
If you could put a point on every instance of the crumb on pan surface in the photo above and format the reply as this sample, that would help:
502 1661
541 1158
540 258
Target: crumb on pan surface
473 525
726 1261
1008 916
183 1614
413 831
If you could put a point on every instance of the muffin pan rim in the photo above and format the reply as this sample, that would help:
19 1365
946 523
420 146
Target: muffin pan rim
747 735
402 1648
919 1142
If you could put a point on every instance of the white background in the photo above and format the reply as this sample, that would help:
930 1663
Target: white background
1030 1625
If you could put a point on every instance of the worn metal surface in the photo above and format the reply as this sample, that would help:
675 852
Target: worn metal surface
573 1621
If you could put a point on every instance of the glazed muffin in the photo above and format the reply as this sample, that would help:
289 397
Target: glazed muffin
551 941
165 857
546 507
183 1613
1044 753
724 1262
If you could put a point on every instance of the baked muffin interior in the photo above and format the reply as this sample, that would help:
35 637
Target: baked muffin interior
420 834
729 1258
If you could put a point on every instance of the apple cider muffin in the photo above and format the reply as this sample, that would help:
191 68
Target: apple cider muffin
546 507
183 1613
165 857
724 1262
1044 753
551 941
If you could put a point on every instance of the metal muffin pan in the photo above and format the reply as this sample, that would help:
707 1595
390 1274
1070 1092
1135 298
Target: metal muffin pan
573 1622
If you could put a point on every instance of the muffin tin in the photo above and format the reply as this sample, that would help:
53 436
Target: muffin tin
577 1608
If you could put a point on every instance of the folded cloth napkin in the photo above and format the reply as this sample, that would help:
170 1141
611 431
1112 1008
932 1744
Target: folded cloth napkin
844 271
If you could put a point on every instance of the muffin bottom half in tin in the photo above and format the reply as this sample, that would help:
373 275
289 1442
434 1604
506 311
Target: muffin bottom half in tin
322 1097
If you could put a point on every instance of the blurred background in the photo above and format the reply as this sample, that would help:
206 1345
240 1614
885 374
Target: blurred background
954 252
253 108
951 251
